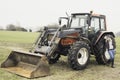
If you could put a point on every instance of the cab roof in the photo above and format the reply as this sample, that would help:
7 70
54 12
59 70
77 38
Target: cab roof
89 14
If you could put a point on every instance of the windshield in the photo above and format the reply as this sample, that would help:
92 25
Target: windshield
78 21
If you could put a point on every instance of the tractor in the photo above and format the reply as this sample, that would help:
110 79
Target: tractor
77 36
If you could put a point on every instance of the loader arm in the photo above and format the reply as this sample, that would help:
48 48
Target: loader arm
39 40
54 43
29 64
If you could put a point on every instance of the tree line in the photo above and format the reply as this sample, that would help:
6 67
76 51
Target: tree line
12 27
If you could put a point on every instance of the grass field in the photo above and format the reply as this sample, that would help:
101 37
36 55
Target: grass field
59 71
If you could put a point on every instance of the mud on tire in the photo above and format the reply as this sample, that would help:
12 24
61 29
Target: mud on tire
79 55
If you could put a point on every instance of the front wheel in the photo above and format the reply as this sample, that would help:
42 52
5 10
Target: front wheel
54 58
79 55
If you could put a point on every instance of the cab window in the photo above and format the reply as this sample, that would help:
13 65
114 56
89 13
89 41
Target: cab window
95 23
102 22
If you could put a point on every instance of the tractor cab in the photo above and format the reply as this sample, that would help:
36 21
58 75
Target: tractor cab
89 23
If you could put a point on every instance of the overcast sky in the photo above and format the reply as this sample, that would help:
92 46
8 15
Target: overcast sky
35 13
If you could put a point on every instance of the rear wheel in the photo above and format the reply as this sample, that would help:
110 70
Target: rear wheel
102 55
79 55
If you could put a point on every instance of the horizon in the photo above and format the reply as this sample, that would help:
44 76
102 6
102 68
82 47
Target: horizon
32 14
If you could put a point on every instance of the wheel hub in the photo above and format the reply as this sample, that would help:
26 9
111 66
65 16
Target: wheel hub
82 56
107 56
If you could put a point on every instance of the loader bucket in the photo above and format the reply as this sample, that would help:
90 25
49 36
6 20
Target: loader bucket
26 64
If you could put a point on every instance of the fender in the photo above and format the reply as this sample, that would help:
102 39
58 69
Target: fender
86 40
102 33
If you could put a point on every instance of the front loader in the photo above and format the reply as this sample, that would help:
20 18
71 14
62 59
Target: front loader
35 62
82 35
26 64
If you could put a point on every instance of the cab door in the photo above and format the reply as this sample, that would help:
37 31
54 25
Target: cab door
94 27
96 24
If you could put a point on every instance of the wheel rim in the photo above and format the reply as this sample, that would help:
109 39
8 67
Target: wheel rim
82 56
107 56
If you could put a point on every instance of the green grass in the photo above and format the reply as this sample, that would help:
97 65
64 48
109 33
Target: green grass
60 70
17 37
118 44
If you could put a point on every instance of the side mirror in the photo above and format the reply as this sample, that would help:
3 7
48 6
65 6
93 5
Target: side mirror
59 21
87 22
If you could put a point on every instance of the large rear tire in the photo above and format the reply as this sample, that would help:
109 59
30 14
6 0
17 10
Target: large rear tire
101 52
79 55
